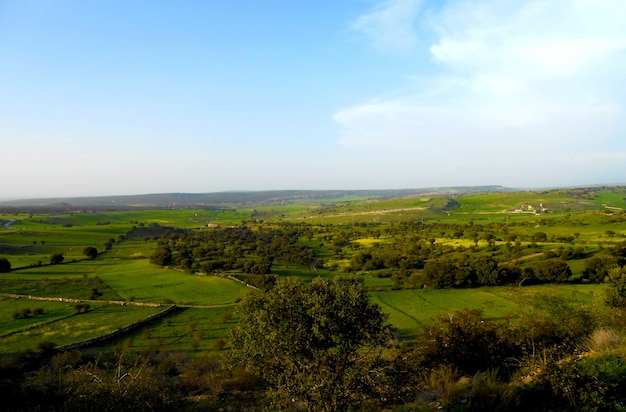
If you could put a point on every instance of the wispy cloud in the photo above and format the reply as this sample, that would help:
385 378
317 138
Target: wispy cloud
390 24
543 76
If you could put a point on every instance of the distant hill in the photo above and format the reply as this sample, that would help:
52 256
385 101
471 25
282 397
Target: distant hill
231 199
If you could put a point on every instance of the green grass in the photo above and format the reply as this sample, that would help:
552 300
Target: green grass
124 272
189 330
148 283
411 310
128 279
60 323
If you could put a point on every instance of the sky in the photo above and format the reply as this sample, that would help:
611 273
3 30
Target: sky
115 97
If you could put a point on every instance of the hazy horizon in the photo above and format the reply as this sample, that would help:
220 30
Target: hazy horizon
105 98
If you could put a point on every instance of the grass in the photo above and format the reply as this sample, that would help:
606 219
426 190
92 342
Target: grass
190 330
124 272
128 279
410 310
59 323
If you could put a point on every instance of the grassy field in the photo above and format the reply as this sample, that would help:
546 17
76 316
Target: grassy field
59 323
591 220
410 310
130 279
189 330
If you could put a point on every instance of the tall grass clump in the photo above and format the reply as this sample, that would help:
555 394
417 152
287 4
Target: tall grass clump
603 339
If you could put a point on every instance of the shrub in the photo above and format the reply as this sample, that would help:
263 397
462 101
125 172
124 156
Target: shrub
81 307
592 383
5 265
614 289
91 252
56 258
46 346
467 342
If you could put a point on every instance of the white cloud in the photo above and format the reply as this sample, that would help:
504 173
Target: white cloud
390 25
510 80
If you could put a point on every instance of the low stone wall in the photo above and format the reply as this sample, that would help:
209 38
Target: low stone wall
71 300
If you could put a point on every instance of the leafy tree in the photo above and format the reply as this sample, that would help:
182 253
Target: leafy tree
5 265
161 256
597 267
614 289
440 273
319 346
56 258
552 270
91 252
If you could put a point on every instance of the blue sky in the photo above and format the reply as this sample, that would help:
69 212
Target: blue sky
131 97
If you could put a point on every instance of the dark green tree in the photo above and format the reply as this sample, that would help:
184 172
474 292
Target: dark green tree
91 252
5 265
56 258
318 346
161 256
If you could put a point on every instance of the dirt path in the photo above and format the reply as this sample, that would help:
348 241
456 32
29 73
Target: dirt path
527 257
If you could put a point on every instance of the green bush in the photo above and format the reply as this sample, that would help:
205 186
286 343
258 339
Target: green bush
592 383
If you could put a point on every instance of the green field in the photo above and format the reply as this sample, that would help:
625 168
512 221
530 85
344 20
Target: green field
60 324
590 220
410 310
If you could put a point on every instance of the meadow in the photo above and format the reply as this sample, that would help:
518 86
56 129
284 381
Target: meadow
591 220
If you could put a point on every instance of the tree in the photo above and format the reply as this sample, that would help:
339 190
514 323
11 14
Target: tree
5 265
161 256
614 288
56 258
552 270
319 346
91 252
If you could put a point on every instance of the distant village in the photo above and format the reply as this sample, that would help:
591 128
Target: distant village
528 208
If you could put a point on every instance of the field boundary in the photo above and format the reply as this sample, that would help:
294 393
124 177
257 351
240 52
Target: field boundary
73 300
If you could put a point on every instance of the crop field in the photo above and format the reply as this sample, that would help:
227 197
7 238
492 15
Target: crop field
510 227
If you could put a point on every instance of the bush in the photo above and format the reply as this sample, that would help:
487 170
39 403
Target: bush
467 342
46 346
5 265
90 252
614 289
56 258
592 383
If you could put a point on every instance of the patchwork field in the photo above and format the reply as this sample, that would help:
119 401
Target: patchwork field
520 228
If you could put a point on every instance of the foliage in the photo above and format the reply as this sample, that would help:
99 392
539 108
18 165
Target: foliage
320 345
161 256
5 265
91 252
467 342
56 258
595 383
614 290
